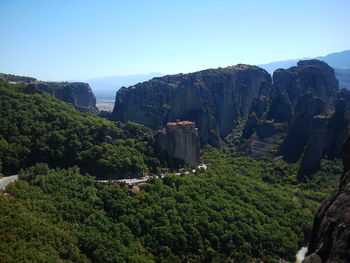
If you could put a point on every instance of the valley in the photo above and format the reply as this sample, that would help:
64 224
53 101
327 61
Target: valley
119 187
174 131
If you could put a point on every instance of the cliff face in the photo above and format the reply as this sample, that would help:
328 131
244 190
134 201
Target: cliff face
306 96
330 237
326 136
263 139
213 98
306 108
16 79
179 143
77 94
344 95
310 76
307 100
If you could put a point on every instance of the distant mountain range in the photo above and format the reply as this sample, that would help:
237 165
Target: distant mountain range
340 61
105 87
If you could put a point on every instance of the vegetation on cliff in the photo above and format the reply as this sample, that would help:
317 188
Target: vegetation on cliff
39 128
240 208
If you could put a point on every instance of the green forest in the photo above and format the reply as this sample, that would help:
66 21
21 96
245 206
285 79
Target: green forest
39 128
239 209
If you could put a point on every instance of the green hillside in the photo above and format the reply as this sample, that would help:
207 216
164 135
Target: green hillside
39 128
239 209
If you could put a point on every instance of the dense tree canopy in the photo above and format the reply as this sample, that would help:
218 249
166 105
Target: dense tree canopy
230 211
239 209
39 128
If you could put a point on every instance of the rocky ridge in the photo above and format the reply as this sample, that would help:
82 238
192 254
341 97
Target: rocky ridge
307 100
213 98
331 231
77 94
281 117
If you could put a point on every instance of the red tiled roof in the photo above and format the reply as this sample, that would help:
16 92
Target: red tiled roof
186 122
180 123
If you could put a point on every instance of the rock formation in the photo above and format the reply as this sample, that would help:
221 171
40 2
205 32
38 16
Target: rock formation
310 76
330 237
264 139
326 136
304 98
300 96
306 108
213 98
16 79
250 125
77 94
281 108
259 106
344 95
283 116
179 140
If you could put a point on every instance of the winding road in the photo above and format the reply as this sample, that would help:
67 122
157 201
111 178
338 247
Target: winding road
7 180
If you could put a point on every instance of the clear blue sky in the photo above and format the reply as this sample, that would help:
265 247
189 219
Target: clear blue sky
79 39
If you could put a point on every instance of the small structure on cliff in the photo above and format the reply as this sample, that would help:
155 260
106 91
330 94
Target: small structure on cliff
186 125
179 140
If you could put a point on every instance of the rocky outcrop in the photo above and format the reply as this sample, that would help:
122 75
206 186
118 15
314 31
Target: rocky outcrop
16 79
281 108
344 95
330 237
310 76
180 141
77 94
326 136
307 107
213 98
264 140
259 106
304 98
250 125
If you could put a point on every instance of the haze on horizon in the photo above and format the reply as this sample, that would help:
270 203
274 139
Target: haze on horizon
83 39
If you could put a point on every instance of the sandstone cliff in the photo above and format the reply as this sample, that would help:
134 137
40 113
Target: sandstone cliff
344 95
77 94
330 237
310 76
326 136
213 98
304 98
306 108
179 142
264 138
